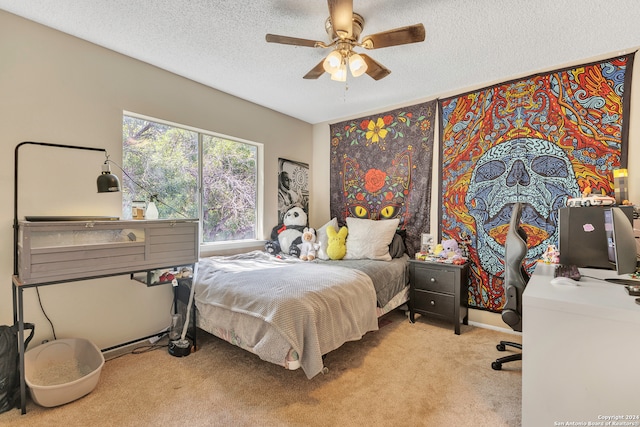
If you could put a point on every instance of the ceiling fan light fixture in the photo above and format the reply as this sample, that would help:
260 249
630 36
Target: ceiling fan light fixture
332 62
344 27
341 74
357 65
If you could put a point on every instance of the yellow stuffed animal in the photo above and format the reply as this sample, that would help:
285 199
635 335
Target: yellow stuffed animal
337 247
438 249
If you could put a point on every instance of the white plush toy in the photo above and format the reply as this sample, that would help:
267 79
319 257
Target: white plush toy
308 246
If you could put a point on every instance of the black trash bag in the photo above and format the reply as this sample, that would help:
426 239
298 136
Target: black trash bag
9 369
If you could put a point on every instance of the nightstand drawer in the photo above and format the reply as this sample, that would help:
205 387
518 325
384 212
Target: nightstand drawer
434 280
433 302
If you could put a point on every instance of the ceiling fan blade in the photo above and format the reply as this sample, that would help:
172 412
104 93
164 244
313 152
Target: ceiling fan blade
395 37
274 38
375 69
341 14
315 72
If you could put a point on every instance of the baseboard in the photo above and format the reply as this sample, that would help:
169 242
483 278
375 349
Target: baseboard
129 347
494 328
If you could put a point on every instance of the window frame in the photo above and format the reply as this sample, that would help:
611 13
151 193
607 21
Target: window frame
259 224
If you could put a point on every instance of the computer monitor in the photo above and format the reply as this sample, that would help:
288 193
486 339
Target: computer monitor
581 238
621 241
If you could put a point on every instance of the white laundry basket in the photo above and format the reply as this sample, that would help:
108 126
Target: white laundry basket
62 371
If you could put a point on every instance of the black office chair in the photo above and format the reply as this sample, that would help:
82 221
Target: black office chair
515 280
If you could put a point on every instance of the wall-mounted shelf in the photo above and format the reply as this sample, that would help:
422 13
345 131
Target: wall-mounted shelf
163 276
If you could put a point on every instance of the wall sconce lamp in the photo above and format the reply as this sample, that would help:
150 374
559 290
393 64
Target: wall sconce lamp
106 183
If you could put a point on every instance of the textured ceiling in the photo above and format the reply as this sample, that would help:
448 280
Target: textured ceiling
221 43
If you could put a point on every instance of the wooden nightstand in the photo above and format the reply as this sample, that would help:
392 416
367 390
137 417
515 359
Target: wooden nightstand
440 290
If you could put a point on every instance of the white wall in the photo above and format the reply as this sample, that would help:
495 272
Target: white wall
321 150
59 89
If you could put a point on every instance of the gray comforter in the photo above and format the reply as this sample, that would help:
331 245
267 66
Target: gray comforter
388 277
315 307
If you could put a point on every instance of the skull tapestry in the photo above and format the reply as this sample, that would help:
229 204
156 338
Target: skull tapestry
381 169
538 140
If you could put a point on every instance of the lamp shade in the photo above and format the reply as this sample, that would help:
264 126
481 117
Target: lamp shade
107 182
357 65
341 74
332 62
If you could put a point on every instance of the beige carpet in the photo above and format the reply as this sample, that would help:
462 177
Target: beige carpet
418 374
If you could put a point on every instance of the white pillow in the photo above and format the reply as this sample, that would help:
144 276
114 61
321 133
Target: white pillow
368 239
323 239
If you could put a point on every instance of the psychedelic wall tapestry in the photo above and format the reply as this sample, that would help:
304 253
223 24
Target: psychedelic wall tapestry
537 140
381 169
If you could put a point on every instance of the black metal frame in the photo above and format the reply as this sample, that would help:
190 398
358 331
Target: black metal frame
15 192
17 287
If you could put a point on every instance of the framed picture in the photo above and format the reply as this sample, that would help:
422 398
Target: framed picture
293 186
427 243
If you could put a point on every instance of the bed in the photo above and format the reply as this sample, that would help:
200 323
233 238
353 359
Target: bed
292 312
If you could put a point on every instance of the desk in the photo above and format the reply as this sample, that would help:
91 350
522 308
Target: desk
581 351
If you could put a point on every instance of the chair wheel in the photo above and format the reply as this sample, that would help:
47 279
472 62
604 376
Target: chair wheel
501 347
497 366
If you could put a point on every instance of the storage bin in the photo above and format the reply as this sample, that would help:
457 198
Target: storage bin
62 371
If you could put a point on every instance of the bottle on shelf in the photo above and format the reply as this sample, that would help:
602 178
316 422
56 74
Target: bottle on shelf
152 210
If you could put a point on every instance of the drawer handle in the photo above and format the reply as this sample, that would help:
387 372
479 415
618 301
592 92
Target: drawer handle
433 280
433 302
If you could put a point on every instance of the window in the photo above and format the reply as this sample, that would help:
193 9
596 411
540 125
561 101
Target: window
195 174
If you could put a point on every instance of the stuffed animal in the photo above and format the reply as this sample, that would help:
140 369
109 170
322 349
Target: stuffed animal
337 245
286 237
308 247
438 249
450 250
551 255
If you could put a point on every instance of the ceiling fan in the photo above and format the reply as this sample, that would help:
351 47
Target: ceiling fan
344 27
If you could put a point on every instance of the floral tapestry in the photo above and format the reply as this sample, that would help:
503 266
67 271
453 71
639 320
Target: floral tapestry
381 169
538 140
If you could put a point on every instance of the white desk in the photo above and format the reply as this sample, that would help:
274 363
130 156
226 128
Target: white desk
581 356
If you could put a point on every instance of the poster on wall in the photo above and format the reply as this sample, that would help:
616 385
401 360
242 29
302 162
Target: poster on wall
293 186
381 169
538 140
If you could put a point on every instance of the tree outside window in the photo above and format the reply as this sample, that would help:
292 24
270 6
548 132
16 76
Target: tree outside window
174 162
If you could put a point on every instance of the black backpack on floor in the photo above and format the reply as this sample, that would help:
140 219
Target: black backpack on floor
9 369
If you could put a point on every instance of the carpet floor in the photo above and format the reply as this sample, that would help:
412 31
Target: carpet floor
419 374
